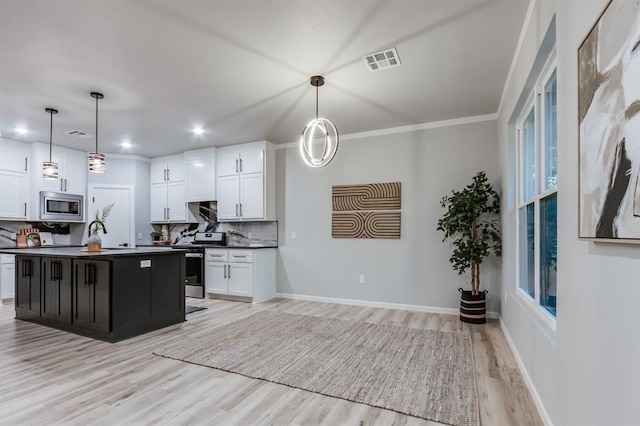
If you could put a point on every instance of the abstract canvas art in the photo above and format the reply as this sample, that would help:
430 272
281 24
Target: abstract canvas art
360 210
609 125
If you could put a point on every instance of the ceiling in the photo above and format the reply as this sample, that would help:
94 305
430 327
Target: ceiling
240 69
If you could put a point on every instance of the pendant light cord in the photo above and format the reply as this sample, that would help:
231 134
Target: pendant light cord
50 133
96 124
316 102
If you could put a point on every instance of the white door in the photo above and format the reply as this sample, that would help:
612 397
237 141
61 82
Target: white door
158 205
227 162
120 222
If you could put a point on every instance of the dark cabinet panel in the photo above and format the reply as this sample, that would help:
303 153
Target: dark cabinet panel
167 298
27 297
56 289
91 295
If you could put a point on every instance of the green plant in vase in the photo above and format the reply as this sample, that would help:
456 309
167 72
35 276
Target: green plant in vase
94 242
471 224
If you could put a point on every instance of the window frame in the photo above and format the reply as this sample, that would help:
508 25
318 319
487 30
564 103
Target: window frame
535 100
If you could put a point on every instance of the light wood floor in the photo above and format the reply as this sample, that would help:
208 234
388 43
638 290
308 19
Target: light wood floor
52 377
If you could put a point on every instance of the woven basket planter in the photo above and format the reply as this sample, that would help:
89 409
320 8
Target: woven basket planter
473 307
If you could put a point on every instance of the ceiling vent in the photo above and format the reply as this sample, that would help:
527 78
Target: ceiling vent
381 60
79 134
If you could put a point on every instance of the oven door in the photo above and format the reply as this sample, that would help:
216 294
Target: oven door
194 274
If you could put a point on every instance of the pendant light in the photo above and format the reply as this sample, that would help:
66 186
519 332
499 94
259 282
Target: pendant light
49 168
97 162
319 140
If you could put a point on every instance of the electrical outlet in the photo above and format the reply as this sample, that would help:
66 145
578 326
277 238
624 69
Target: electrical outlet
139 235
361 279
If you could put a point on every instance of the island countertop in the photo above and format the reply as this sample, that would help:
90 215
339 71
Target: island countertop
81 252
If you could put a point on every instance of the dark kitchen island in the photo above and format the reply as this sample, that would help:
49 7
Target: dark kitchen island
109 295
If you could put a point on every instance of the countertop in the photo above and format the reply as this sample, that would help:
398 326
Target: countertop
82 251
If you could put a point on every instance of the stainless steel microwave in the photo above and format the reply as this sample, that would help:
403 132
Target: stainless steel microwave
61 207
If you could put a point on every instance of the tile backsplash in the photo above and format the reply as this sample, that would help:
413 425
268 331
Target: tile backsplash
238 233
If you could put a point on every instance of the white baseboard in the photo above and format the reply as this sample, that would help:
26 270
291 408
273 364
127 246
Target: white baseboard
415 308
527 379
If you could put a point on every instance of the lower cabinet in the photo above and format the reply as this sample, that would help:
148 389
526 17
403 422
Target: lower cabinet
27 297
56 289
249 274
91 296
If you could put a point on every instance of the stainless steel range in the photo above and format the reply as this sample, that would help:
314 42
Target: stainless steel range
194 260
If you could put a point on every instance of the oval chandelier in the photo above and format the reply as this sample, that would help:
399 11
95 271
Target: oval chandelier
50 168
319 140
97 162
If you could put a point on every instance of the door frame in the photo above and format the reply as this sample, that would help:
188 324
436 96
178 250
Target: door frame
132 207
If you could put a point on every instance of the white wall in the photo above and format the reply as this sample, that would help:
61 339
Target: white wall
586 372
412 270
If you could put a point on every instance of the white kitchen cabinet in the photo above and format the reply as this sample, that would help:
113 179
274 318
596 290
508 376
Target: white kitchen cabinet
72 174
246 182
168 202
14 180
201 174
72 169
249 274
168 194
7 276
170 168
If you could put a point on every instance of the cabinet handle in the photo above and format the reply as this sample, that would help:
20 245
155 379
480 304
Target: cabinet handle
25 209
60 184
65 186
92 273
229 273
236 165
240 165
240 209
164 175
168 174
237 210
225 271
168 213
25 163
26 267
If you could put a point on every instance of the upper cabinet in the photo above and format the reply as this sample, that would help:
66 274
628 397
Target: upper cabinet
246 182
201 174
72 169
72 174
168 195
168 169
14 180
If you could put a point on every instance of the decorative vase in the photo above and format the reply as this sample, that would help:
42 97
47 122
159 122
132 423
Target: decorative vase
94 243
473 307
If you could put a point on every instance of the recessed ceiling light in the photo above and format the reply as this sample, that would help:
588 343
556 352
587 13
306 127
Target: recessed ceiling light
197 130
21 130
126 144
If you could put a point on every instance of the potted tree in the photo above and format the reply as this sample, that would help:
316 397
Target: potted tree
470 223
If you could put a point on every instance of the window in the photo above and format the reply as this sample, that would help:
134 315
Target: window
538 194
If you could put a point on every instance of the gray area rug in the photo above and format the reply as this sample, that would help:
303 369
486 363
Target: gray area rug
423 373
